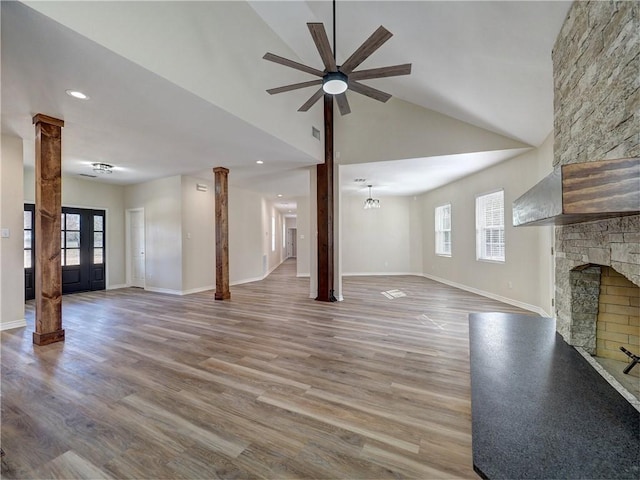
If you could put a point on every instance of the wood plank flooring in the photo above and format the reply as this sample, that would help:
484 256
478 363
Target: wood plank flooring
270 384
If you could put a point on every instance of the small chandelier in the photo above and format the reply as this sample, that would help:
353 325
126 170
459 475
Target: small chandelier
371 202
102 168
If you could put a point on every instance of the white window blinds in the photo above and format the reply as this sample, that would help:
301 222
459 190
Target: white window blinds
490 227
443 230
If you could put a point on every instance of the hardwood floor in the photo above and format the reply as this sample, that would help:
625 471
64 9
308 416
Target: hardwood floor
270 384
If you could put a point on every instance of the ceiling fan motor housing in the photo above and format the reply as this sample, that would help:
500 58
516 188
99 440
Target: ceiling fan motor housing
335 83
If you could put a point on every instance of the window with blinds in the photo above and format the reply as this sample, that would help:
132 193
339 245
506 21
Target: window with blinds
443 230
490 227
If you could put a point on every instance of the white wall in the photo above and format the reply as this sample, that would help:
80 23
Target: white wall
303 265
180 234
162 203
77 192
398 130
524 278
245 236
175 210
198 236
377 241
274 257
415 234
291 222
11 249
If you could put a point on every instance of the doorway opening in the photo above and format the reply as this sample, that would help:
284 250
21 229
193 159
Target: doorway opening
292 245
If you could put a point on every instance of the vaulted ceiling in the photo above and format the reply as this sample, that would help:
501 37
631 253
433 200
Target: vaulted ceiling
179 87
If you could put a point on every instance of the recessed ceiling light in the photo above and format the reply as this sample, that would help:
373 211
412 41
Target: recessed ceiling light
259 162
279 195
77 94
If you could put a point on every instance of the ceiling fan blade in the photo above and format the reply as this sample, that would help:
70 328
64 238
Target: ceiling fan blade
319 35
369 46
294 86
369 91
314 98
290 63
343 104
392 71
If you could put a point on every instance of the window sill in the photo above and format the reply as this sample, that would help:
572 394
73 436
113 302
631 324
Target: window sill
487 260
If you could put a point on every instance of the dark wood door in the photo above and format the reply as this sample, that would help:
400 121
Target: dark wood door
29 253
82 250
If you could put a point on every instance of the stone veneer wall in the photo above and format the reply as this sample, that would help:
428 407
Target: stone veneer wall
596 70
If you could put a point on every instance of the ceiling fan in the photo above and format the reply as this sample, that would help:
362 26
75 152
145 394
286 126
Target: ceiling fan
337 79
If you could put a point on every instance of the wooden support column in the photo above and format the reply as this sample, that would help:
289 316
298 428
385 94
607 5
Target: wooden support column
325 209
47 230
222 232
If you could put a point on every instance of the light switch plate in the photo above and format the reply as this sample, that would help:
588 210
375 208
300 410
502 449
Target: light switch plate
4 233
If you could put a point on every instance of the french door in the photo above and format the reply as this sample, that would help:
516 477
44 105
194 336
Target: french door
82 250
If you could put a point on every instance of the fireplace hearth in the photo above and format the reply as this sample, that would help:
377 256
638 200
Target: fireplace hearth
605 315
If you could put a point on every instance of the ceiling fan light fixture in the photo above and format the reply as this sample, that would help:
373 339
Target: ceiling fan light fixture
334 83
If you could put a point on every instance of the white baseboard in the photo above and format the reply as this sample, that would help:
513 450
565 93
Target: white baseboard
493 296
256 279
116 287
11 325
163 290
272 269
179 292
198 290
247 280
377 274
303 275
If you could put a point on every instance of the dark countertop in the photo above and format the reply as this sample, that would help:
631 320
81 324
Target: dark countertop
539 410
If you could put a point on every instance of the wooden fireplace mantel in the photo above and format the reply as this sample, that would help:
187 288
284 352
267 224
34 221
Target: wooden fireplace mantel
582 192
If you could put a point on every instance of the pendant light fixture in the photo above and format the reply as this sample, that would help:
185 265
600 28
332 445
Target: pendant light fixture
371 202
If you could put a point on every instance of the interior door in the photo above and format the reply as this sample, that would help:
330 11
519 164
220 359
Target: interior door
292 234
137 251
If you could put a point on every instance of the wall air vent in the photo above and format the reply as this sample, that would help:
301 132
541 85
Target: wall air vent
315 132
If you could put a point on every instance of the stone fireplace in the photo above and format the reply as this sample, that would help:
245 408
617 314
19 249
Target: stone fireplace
597 96
596 65
583 251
